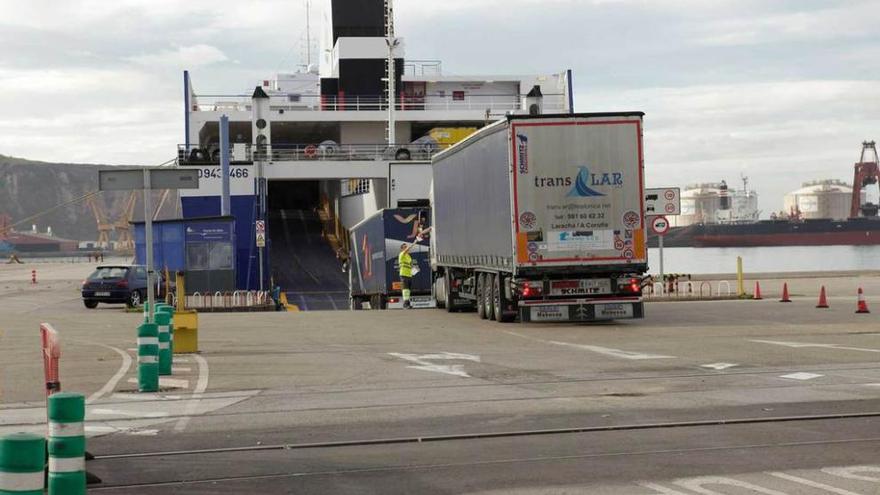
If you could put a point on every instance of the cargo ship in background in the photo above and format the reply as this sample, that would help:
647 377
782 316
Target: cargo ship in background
821 213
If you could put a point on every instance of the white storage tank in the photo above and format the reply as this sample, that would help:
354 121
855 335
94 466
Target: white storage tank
715 202
828 198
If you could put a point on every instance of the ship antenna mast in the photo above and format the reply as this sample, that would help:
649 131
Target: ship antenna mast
391 72
308 35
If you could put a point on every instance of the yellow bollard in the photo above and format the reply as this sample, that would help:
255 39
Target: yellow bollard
186 322
740 281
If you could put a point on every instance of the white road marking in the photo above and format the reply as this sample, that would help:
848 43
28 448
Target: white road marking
802 345
696 484
660 489
601 350
180 369
849 472
612 352
119 412
132 349
167 382
193 404
801 376
813 484
422 360
116 415
719 366
114 380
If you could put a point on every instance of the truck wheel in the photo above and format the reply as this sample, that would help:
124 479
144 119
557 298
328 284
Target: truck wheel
450 301
488 286
481 301
438 299
500 303
356 304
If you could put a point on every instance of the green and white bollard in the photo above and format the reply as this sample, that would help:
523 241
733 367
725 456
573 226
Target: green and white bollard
163 322
67 444
167 308
22 464
148 357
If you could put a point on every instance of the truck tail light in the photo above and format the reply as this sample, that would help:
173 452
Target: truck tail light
630 285
531 289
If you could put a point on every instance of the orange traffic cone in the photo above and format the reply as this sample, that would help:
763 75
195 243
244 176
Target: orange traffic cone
863 306
785 297
823 301
757 295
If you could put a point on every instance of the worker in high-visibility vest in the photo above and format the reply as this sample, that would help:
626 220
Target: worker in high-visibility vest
404 262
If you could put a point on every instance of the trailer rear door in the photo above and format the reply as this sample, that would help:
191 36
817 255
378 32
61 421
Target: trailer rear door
577 186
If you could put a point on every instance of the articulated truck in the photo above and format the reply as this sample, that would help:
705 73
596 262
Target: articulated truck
374 275
541 218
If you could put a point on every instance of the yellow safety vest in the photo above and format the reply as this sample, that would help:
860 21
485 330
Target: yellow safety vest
404 260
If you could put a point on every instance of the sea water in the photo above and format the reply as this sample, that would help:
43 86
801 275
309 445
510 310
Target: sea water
765 259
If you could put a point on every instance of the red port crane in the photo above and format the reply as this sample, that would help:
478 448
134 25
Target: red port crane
866 173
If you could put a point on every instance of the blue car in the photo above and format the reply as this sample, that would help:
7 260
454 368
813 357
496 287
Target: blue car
117 284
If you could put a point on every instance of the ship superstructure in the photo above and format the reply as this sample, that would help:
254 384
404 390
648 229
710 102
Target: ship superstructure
313 154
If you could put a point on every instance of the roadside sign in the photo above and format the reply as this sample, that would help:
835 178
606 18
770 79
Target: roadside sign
261 239
148 180
160 178
261 226
663 201
660 225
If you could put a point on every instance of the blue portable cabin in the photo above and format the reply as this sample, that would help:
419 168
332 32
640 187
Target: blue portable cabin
203 248
375 245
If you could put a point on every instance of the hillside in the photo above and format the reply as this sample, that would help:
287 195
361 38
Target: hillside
29 188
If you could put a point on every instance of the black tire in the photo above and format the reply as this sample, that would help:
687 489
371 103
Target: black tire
481 301
215 156
356 304
450 303
135 299
488 291
440 303
500 315
90 304
402 155
497 308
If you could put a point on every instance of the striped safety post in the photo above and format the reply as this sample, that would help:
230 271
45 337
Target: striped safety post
167 308
67 444
163 322
148 357
22 464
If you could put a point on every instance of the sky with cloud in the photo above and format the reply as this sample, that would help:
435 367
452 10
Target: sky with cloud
782 91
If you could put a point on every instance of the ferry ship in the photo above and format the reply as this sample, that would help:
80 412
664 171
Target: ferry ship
315 152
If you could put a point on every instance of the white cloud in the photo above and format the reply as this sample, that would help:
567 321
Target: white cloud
183 57
779 133
848 21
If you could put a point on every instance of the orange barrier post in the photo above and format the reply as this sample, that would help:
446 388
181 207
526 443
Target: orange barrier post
823 301
757 295
51 357
785 297
862 305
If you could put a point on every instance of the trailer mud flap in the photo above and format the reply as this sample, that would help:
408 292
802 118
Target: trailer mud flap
582 311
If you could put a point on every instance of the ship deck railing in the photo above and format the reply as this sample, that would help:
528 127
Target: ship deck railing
455 101
249 153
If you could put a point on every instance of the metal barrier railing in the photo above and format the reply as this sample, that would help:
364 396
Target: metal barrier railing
229 301
452 101
248 153
687 289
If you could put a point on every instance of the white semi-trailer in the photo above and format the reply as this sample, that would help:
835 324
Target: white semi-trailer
542 218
